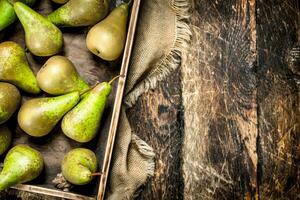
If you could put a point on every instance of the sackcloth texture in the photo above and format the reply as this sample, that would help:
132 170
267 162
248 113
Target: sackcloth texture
161 37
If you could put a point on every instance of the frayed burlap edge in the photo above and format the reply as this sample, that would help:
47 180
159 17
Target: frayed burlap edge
146 151
173 59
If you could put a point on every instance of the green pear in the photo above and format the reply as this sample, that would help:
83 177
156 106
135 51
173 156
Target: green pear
37 117
7 13
5 138
22 164
60 1
79 166
27 2
15 69
80 13
10 99
42 37
83 121
107 38
59 76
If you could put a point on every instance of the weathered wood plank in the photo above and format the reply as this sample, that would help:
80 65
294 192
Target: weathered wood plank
219 97
222 86
278 100
156 119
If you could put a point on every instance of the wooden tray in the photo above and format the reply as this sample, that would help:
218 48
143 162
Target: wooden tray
92 69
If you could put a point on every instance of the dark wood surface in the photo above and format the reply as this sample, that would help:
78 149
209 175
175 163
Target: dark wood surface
243 67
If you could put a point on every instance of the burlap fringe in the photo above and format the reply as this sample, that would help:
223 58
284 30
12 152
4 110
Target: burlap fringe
146 151
171 60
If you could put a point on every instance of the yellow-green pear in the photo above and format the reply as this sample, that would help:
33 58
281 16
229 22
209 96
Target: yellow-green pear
80 13
5 138
42 37
79 166
7 13
107 38
37 117
59 76
22 164
83 121
15 69
10 99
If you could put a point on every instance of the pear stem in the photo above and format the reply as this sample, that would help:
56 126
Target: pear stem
89 89
96 174
113 79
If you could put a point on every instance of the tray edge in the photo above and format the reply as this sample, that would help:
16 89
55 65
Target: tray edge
119 99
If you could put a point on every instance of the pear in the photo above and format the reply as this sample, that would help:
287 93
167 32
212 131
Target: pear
7 13
37 117
42 37
79 166
107 38
27 2
5 138
59 76
10 99
22 164
15 69
83 121
80 13
60 1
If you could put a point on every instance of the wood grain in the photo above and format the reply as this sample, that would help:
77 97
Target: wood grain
219 98
240 95
278 100
156 118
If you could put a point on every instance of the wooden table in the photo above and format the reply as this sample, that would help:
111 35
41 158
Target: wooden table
242 126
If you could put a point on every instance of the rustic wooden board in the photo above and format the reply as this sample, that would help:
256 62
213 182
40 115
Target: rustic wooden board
243 72
278 100
219 96
158 113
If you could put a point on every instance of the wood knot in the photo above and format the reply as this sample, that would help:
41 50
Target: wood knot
294 59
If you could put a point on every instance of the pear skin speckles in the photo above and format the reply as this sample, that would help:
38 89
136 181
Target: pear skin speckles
42 37
15 69
78 166
5 138
83 121
10 99
22 164
37 117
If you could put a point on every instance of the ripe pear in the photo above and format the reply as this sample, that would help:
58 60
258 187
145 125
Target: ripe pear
7 13
22 164
60 1
80 13
15 69
10 99
5 138
79 166
83 121
37 117
107 38
42 37
59 76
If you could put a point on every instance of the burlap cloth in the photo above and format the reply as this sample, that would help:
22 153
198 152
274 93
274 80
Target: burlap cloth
161 36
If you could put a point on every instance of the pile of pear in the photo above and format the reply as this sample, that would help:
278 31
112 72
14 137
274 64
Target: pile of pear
70 99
